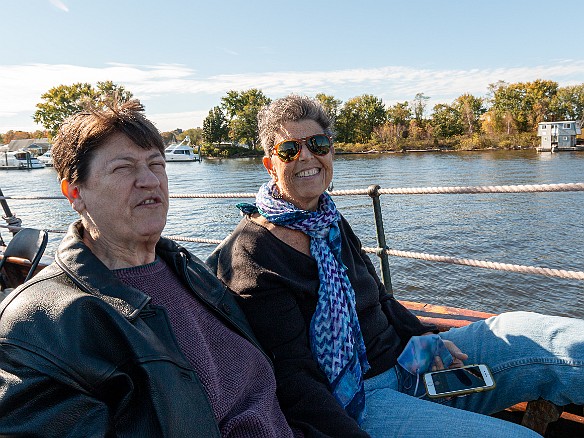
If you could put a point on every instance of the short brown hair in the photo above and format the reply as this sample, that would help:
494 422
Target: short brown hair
291 108
82 133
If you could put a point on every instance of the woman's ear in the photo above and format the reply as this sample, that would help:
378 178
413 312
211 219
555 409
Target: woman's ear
71 192
269 167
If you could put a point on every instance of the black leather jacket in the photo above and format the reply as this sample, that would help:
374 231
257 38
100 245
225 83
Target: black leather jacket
81 354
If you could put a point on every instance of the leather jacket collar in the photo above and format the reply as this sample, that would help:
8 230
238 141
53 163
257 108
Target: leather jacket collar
92 276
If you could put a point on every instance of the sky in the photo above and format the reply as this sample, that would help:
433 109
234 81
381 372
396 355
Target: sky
179 57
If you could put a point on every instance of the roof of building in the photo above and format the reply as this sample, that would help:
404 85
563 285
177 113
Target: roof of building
16 145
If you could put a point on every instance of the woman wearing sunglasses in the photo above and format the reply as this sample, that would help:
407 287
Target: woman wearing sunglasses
318 308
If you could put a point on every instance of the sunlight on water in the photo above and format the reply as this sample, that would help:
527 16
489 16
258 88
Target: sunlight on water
538 229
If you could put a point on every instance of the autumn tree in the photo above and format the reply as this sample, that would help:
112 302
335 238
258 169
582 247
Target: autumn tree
171 136
527 103
64 100
399 115
215 127
15 135
419 107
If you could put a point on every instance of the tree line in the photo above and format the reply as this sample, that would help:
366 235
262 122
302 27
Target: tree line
509 113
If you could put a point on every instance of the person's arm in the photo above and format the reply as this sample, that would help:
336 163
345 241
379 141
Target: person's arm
33 403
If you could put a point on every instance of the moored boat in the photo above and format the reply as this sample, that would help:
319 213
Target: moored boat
19 160
46 158
182 151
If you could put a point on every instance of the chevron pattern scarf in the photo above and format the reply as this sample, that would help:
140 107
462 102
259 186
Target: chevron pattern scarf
335 335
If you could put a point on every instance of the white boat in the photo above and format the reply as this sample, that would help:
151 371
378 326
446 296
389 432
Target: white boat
19 160
182 151
46 158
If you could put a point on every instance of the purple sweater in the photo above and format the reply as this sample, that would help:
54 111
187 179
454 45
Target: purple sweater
236 376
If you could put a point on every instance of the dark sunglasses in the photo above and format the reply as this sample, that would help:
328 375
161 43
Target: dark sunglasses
289 150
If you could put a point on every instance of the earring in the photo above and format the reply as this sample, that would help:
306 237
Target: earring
276 193
331 187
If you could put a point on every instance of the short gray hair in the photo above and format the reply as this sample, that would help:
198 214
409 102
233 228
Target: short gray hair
291 108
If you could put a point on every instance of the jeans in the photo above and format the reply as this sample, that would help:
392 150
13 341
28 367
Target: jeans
530 356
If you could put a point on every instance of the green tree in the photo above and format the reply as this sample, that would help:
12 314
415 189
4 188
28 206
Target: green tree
359 117
195 135
527 103
399 115
568 103
64 100
446 121
242 109
215 127
330 105
470 109
107 93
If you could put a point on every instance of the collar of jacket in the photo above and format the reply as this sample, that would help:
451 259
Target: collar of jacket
92 276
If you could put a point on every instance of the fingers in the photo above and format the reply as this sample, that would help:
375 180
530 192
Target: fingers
455 351
438 364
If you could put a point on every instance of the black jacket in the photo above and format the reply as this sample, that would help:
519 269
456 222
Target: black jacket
278 288
82 354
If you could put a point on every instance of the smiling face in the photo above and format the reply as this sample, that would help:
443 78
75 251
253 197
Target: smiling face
124 201
303 180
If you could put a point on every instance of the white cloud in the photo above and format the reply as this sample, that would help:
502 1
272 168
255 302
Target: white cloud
59 5
22 85
183 120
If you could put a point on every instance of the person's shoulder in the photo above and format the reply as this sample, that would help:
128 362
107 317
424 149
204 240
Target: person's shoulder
345 226
249 233
49 305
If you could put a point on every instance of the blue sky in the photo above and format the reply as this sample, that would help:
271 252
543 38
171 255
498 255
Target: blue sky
180 57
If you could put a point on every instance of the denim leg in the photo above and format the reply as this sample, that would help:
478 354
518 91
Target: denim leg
530 356
391 413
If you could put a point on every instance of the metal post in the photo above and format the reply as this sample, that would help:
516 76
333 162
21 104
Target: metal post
9 217
373 191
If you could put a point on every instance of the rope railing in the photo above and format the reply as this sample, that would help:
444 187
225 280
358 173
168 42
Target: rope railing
526 188
548 272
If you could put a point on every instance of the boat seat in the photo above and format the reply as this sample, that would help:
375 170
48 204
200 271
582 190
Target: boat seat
28 244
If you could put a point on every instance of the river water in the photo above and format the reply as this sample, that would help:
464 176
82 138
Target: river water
535 229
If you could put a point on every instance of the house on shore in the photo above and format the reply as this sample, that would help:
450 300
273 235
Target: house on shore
36 146
559 136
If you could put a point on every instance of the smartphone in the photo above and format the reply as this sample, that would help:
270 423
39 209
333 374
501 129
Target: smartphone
458 381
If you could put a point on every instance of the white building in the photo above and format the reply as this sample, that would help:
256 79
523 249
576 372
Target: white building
559 136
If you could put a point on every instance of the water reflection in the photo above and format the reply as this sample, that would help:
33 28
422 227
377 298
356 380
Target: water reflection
539 229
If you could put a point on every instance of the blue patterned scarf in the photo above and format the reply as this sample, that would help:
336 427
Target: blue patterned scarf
335 335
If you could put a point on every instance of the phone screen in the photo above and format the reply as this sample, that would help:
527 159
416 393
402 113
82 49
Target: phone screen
458 379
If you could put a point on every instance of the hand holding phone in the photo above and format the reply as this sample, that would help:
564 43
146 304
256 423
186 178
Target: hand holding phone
458 381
